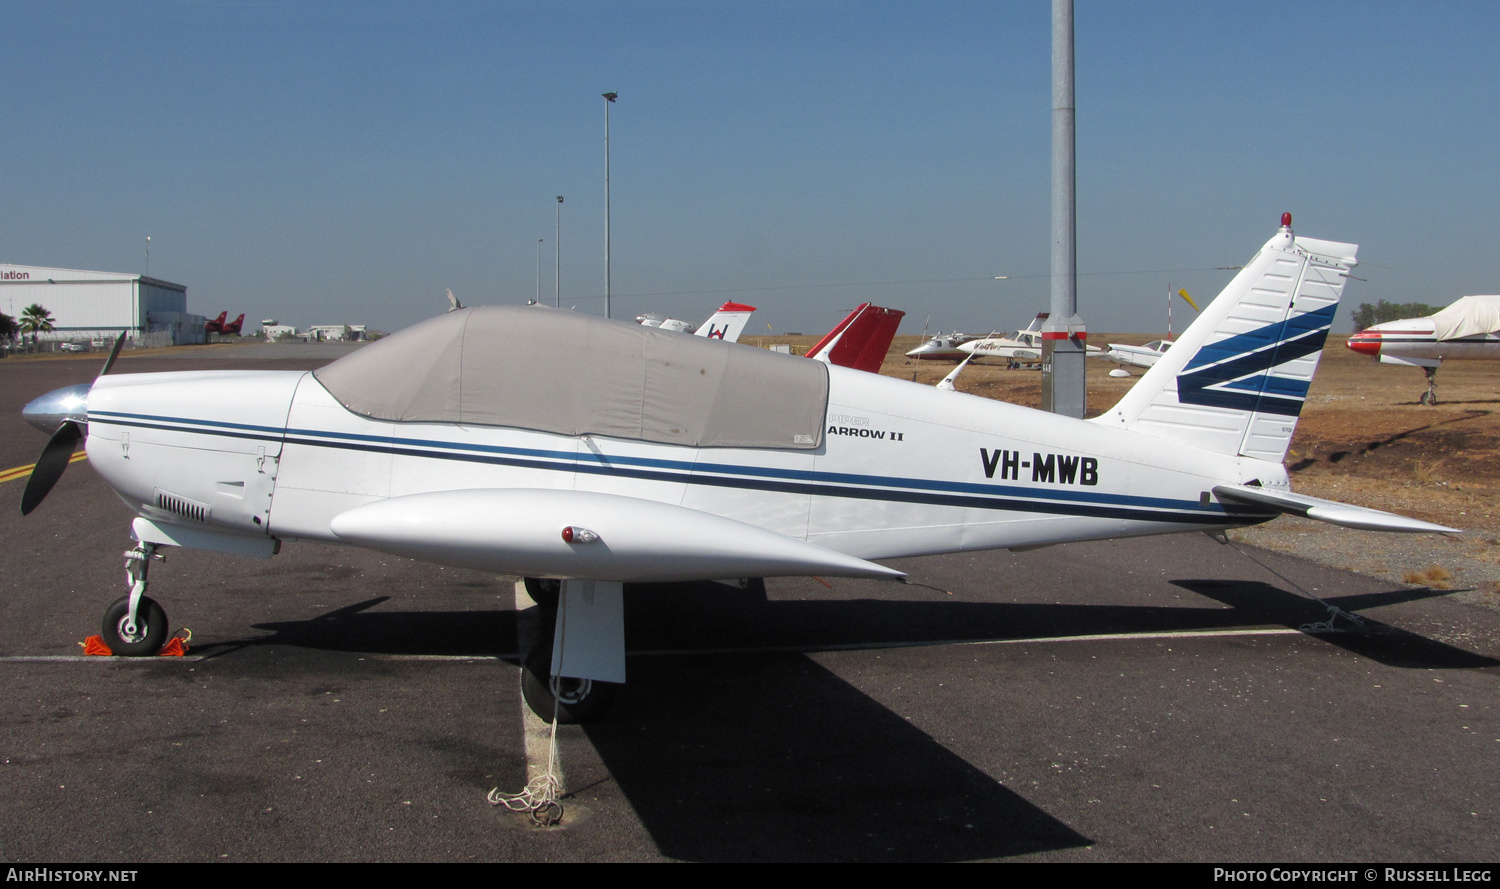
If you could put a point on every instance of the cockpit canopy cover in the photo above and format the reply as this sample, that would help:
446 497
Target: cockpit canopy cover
1469 316
558 371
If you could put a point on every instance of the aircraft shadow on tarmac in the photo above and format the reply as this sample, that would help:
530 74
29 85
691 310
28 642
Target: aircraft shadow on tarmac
772 757
766 754
695 617
749 756
1380 642
355 628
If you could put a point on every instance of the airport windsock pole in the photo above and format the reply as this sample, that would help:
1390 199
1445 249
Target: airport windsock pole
1064 338
609 99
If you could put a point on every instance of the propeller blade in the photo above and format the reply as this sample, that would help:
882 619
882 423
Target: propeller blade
49 467
115 353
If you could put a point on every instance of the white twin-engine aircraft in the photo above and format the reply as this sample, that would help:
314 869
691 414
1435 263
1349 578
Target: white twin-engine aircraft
650 456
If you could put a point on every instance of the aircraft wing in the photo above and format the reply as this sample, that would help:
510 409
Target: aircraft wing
1330 511
585 535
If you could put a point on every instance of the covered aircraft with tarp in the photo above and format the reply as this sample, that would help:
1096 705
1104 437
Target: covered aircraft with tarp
1465 331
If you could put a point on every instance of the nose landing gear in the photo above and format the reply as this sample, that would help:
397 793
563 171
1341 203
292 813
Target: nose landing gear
135 625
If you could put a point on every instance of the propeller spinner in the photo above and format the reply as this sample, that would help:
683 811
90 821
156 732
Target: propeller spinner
62 413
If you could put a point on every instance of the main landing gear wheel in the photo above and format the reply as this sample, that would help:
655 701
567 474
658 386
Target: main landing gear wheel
143 640
544 591
578 700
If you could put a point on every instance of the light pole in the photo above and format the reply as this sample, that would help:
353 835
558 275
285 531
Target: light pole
609 99
557 278
538 270
1064 336
148 256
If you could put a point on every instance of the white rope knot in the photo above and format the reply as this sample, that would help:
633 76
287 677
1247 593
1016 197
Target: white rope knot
539 799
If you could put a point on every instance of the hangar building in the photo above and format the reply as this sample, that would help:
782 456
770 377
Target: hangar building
98 305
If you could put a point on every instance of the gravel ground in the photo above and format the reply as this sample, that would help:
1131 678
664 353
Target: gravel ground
1468 564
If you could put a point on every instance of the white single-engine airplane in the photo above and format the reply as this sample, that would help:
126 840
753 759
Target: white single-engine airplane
1467 330
648 456
1138 356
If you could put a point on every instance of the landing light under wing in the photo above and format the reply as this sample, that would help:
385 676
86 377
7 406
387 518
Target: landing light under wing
1328 511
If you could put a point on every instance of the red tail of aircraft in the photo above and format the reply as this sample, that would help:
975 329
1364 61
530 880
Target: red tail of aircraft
861 340
233 327
217 324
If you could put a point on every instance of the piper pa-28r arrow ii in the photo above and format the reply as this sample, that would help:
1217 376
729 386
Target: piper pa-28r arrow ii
650 456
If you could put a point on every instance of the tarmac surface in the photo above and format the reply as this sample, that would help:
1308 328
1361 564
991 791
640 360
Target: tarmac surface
1166 699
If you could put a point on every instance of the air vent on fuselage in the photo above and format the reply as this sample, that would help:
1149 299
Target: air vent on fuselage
188 509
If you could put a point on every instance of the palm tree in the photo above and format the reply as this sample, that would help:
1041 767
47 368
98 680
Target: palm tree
34 319
8 328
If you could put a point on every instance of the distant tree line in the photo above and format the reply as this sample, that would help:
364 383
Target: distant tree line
1369 316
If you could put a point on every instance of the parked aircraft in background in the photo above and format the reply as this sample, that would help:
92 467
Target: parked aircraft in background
1137 356
1024 348
726 324
861 340
469 440
219 325
1467 330
943 347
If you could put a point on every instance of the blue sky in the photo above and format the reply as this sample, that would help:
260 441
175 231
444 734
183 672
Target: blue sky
347 162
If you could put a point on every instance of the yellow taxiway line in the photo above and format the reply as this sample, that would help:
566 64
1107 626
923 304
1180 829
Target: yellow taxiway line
11 475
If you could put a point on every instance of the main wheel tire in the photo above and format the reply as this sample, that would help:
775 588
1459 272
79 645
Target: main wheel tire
150 628
544 591
577 700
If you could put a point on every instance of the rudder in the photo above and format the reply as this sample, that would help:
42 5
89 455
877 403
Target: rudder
1236 380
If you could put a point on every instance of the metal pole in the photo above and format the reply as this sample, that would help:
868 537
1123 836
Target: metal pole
557 279
609 99
1064 338
538 270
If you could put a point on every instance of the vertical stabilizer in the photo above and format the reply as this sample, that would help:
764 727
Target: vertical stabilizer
1236 380
727 323
861 340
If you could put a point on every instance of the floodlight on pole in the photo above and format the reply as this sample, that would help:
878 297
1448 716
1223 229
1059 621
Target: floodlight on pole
148 256
609 99
557 278
539 270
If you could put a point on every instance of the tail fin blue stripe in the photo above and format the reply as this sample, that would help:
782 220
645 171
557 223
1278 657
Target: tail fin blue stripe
1260 338
1235 372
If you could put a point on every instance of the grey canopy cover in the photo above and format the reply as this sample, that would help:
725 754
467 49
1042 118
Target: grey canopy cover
557 371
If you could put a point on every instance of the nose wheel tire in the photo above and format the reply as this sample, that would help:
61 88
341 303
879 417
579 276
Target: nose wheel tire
143 640
577 700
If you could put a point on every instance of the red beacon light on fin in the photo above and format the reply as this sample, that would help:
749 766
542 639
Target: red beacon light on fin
1286 220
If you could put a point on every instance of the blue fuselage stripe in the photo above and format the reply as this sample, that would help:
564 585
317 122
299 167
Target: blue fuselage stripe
761 478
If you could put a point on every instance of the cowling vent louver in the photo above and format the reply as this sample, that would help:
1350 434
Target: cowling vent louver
188 509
